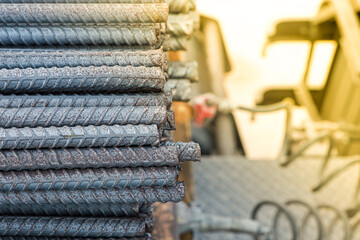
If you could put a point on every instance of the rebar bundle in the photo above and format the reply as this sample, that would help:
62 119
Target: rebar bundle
82 116
183 21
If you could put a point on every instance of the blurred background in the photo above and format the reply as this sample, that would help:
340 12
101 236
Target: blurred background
277 115
245 26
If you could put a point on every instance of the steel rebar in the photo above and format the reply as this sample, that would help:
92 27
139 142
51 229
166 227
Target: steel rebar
183 24
170 122
184 70
180 6
90 136
69 158
86 35
71 226
77 179
114 196
187 151
174 43
83 210
112 100
82 116
71 238
81 79
36 58
83 13
181 89
83 1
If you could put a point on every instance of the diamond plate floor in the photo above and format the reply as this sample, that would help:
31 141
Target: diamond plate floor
231 186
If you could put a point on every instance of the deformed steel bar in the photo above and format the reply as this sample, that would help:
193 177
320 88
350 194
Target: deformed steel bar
72 137
83 210
72 238
82 116
99 100
115 79
77 179
36 58
71 226
183 24
99 196
64 35
174 43
184 70
84 1
187 151
170 122
181 89
83 13
69 158
180 6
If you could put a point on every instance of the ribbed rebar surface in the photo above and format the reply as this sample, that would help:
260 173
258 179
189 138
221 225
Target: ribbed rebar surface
100 100
184 70
69 158
180 88
90 136
36 58
90 196
83 210
71 238
81 116
187 151
86 35
87 178
71 227
84 1
104 79
83 13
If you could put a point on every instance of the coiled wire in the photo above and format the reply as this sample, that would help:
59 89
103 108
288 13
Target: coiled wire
299 220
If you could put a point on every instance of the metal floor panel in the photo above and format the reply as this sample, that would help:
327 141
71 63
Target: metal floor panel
232 186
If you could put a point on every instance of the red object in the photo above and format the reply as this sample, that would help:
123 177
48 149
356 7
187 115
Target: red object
204 108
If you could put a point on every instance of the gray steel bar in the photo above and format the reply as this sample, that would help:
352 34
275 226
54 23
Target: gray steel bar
83 1
77 179
70 238
69 158
81 79
81 116
36 58
187 151
126 195
170 122
183 24
118 34
71 226
175 43
180 6
181 89
184 70
99 100
83 210
83 13
90 136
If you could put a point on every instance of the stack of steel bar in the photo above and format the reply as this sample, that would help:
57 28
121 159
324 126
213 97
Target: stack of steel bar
82 115
182 23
